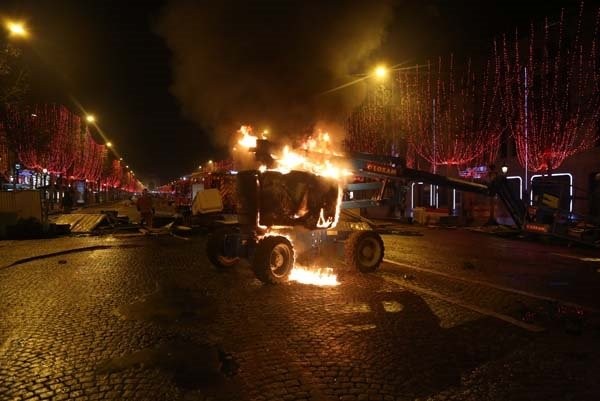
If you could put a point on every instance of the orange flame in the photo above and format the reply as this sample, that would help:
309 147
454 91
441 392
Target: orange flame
247 140
318 276
314 156
302 274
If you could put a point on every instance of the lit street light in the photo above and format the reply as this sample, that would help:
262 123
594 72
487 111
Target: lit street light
90 118
16 29
381 71
109 144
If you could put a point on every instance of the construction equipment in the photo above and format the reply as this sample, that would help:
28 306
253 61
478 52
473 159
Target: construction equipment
299 216
549 214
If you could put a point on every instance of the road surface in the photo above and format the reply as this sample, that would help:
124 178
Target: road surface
451 315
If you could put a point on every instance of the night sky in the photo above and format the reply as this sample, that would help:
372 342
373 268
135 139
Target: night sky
169 79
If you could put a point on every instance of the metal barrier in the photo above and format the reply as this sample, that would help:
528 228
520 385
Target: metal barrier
25 204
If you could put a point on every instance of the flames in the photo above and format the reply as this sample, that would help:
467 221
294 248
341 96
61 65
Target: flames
247 140
316 276
316 154
319 276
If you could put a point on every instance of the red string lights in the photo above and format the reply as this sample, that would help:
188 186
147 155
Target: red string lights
373 126
53 138
444 116
89 157
46 138
113 174
4 163
450 116
551 91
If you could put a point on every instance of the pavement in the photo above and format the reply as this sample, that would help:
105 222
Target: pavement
451 315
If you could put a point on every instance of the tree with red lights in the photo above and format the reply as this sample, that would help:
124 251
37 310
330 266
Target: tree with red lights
551 91
14 84
113 173
47 138
373 126
89 157
451 116
4 163
42 136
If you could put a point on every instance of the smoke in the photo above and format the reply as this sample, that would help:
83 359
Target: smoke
265 62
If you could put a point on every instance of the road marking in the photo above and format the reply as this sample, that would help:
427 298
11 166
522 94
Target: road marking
475 308
583 259
498 287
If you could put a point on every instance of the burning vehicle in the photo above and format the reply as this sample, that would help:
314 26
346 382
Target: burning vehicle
289 210
288 215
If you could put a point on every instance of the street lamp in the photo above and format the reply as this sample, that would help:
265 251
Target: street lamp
381 71
504 169
16 29
90 118
109 144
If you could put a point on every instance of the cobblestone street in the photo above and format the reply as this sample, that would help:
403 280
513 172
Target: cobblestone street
148 318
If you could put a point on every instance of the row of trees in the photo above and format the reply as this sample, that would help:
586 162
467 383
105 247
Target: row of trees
49 137
542 93
52 138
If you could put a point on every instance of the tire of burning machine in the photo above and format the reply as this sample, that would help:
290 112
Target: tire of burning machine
214 249
273 259
364 251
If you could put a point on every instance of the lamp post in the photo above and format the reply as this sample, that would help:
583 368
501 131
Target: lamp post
45 193
16 29
16 179
44 175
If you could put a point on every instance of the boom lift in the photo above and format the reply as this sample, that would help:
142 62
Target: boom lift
293 217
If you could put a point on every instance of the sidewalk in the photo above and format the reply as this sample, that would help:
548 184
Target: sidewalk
14 250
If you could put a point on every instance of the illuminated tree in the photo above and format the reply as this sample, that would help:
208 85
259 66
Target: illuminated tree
42 136
89 157
113 174
47 140
551 91
14 84
450 116
4 163
373 126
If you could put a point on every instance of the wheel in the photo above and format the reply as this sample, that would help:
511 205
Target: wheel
273 260
215 248
364 251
